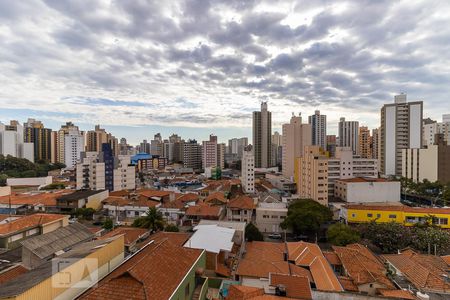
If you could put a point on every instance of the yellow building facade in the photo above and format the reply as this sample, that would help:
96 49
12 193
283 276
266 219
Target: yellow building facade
408 216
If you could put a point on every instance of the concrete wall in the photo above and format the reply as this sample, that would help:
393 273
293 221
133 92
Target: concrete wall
5 190
95 201
34 181
319 295
366 192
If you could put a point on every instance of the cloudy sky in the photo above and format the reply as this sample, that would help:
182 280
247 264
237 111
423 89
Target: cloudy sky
197 67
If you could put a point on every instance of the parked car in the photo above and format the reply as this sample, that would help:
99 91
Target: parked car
275 236
72 220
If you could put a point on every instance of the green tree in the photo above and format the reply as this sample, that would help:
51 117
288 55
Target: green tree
341 235
431 238
108 224
252 233
389 237
153 220
85 213
171 228
305 216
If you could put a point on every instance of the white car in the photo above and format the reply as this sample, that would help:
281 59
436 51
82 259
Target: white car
275 236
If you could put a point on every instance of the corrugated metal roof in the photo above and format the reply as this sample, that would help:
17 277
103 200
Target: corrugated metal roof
62 238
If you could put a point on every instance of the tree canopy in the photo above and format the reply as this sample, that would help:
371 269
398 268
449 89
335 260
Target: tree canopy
171 228
341 234
153 220
305 216
252 233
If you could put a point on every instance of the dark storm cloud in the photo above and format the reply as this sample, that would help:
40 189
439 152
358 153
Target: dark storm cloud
347 54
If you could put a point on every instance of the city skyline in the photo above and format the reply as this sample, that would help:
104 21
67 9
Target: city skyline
202 69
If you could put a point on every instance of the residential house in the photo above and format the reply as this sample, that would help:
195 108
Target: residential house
162 269
132 237
269 216
241 209
216 198
41 248
126 209
12 233
22 203
70 279
81 199
202 211
423 273
364 269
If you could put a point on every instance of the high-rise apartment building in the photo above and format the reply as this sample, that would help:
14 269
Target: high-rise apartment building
277 149
365 142
236 146
221 155
102 170
156 147
401 128
177 148
349 135
331 145
430 128
34 132
12 143
296 136
248 170
60 137
95 138
192 155
312 174
319 129
73 146
262 132
144 147
123 147
375 143
209 152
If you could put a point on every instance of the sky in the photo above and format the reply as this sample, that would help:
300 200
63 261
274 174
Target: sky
196 67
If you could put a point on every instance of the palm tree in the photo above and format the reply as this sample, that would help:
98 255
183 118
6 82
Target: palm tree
153 220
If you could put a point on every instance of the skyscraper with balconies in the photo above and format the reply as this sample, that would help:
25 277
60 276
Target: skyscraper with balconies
262 133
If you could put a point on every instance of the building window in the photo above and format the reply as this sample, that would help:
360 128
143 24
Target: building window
392 216
378 215
353 215
186 291
369 215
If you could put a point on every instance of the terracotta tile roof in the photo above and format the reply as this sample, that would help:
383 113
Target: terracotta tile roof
177 238
12 273
46 198
153 273
241 202
400 208
216 197
362 265
119 201
446 258
296 286
400 294
203 210
26 222
153 193
189 197
310 255
242 292
176 204
262 258
332 258
3 217
347 284
131 234
423 271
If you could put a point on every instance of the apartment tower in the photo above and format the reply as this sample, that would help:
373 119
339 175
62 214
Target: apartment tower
349 134
401 128
262 132
318 124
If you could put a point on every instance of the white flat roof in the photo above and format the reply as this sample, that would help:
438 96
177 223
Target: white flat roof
212 238
238 226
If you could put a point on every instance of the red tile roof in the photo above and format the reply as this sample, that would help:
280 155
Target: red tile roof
423 271
46 198
203 210
216 197
362 265
12 273
120 201
153 193
153 273
400 294
189 197
296 286
347 284
27 222
241 292
241 202
309 255
131 234
263 258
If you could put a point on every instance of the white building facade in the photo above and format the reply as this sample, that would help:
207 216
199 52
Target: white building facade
248 171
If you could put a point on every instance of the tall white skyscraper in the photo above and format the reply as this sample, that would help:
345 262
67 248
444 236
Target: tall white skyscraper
248 170
318 124
401 128
12 141
296 136
349 135
262 132
73 146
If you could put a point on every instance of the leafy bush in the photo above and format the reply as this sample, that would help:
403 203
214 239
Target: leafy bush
342 235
